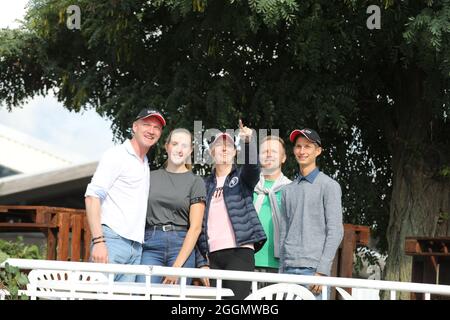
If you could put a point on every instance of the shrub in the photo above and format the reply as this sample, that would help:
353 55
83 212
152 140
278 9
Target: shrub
11 279
18 249
368 263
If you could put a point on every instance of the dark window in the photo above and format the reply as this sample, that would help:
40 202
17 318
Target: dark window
4 171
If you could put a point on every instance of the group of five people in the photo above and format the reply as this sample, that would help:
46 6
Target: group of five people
248 218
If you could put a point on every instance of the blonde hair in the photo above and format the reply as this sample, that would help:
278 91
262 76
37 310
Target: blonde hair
169 138
274 138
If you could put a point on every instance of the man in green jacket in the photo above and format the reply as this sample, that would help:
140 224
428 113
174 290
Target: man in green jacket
267 199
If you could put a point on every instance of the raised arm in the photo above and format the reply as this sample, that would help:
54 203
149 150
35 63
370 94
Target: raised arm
250 172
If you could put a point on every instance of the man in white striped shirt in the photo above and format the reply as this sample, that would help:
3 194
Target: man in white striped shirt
116 198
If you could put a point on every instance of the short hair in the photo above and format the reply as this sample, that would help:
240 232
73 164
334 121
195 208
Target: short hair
274 138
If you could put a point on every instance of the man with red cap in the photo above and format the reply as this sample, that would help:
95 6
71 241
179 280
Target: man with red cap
116 198
311 226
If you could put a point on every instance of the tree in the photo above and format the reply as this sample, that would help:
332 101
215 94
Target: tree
378 97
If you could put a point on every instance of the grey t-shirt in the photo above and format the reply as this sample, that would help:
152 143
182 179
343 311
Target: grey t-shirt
171 196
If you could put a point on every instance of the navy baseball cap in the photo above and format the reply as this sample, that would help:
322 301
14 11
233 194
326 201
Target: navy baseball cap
309 134
149 112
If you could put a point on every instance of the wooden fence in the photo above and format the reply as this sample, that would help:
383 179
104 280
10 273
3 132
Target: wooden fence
66 230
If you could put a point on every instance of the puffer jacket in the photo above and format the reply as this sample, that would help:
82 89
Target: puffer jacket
238 196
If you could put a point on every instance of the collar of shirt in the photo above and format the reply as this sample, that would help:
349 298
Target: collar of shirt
310 177
130 150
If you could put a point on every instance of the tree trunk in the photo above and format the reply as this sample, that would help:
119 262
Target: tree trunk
419 195
416 206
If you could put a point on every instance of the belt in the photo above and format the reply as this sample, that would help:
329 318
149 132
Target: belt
167 227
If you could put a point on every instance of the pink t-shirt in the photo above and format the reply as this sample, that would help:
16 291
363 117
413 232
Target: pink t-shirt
220 230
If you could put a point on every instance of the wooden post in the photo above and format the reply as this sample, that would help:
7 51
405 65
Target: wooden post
343 262
51 244
75 244
348 247
63 236
87 239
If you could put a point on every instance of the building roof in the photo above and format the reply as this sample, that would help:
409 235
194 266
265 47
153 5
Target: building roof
26 154
44 187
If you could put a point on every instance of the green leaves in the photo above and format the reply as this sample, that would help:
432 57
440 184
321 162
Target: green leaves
431 27
3 256
12 280
18 249
445 172
275 11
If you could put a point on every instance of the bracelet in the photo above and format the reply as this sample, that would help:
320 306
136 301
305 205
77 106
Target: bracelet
98 242
97 238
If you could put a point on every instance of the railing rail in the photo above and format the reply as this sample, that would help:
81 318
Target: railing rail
220 275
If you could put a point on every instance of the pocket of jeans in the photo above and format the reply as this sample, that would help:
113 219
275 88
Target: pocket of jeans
180 235
109 233
305 271
148 235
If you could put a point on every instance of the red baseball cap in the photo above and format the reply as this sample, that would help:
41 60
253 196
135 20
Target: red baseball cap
309 134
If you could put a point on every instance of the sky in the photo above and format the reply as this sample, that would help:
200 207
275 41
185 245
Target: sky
86 135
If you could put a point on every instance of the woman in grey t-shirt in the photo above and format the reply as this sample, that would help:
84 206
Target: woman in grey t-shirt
175 209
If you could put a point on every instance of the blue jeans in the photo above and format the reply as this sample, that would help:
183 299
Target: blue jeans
123 251
161 248
305 271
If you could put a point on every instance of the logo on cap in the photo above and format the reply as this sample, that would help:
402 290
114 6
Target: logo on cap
309 134
151 113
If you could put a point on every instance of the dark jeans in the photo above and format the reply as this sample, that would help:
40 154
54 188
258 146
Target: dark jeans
240 259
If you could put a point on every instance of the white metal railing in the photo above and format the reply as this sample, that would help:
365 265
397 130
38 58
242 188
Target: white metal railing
112 289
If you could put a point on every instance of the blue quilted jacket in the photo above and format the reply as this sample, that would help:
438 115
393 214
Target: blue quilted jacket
238 196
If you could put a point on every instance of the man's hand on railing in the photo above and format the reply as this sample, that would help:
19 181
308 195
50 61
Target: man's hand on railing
315 288
99 253
201 281
205 281
170 280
